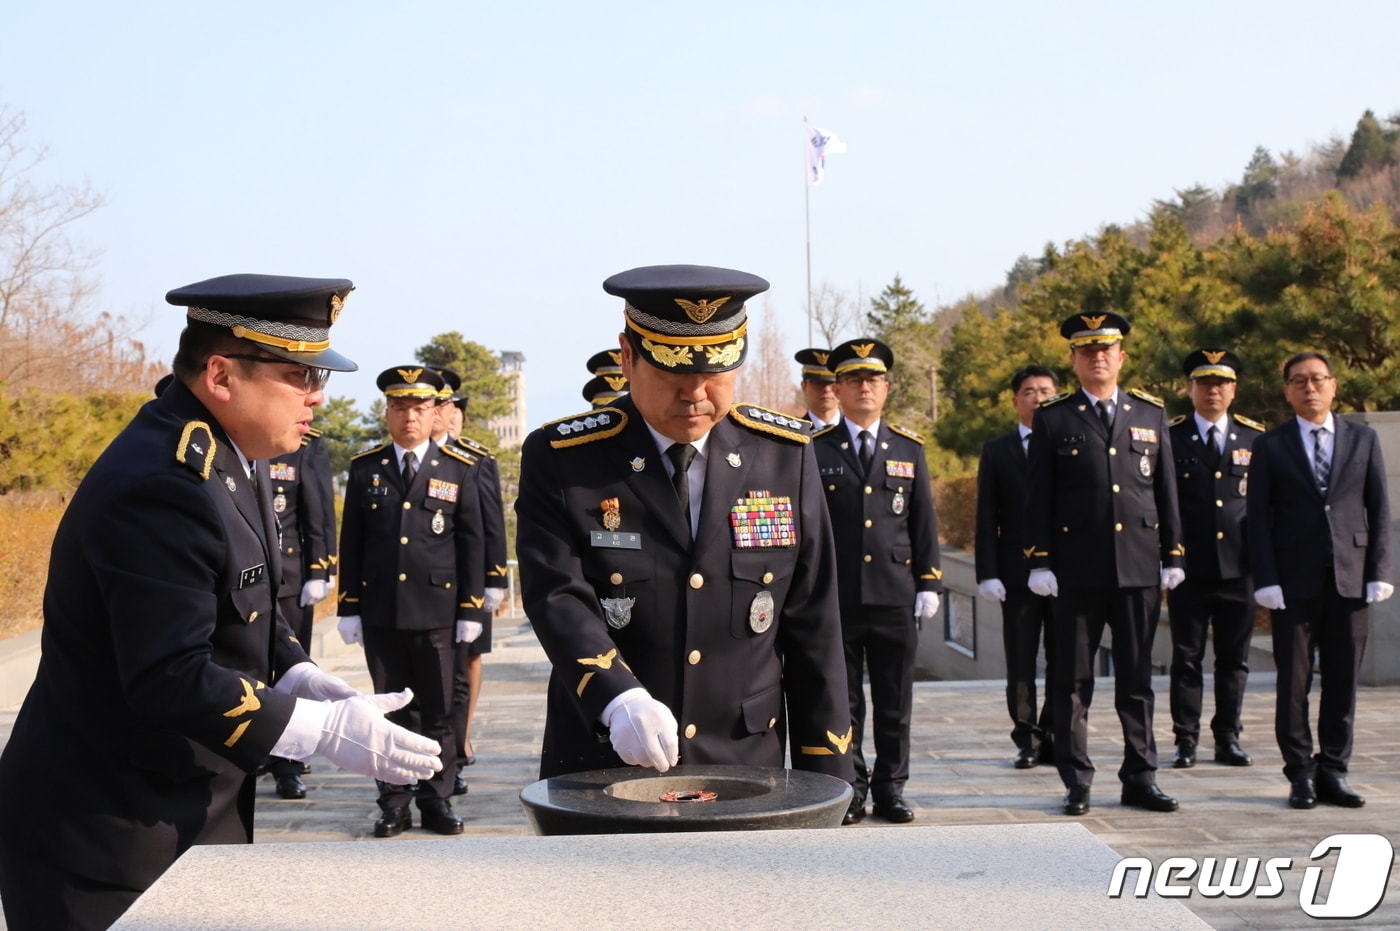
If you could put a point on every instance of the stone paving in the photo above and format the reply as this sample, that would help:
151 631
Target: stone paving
961 774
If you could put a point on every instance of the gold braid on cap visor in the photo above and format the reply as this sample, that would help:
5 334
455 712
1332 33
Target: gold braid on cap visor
1218 371
286 336
1096 338
670 351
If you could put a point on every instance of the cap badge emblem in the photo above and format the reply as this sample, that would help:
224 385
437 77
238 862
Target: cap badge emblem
1213 357
1093 323
616 382
863 349
701 311
409 375
336 303
821 357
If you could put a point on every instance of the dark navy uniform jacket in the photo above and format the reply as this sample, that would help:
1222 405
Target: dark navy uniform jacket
301 499
1002 477
151 703
721 630
493 518
411 559
1212 497
886 529
1101 510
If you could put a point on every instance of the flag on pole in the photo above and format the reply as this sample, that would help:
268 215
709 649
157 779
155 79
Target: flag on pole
820 144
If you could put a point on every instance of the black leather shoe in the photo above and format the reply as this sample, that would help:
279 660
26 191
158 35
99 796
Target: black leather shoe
392 822
459 785
437 816
1302 794
1148 796
291 787
855 812
1332 788
1077 800
1232 755
305 769
1185 755
893 811
1027 758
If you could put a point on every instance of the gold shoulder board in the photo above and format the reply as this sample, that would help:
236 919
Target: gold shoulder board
1056 399
461 455
824 430
1179 418
774 423
1251 424
196 448
370 452
585 428
907 433
1149 398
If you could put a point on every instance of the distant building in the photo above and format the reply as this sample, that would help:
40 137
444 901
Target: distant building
510 430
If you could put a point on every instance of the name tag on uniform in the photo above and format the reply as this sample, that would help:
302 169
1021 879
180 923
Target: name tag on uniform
832 470
624 541
252 576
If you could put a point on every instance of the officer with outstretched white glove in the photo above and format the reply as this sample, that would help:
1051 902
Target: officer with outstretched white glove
642 730
354 734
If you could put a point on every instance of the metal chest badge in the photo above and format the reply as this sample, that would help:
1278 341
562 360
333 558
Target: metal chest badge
897 503
439 523
279 502
617 611
761 612
612 513
1145 465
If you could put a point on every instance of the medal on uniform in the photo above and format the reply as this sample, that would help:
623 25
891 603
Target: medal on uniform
374 480
897 503
761 612
612 513
1244 486
439 524
617 611
279 503
762 519
1145 465
734 460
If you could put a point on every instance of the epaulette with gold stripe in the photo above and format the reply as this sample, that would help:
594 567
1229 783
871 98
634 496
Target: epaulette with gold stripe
827 429
477 449
1179 418
312 431
1251 424
906 433
595 425
1149 398
370 452
1056 399
456 452
774 423
196 448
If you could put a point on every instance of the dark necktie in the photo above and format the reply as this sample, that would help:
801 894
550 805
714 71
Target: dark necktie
681 456
867 451
1106 415
1212 447
1321 467
410 468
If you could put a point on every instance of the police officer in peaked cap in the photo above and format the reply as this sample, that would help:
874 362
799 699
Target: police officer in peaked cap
818 387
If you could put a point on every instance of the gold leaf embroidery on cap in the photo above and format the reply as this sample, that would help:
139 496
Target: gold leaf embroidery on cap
725 355
669 356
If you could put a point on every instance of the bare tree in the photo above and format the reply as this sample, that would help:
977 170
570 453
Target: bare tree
47 284
768 375
835 315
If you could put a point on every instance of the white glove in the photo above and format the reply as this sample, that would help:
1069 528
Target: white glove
925 604
1378 591
351 630
313 592
467 631
358 738
991 590
494 598
1043 583
1172 577
643 730
307 680
1270 597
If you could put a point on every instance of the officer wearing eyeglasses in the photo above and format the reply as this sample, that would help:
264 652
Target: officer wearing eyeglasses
168 674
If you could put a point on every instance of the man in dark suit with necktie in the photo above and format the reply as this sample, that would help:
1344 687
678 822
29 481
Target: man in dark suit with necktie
888 566
1026 617
676 558
1212 449
1319 550
1103 538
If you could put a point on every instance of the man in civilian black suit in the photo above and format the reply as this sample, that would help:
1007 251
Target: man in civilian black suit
1319 550
1026 617
1212 449
411 583
1103 536
887 565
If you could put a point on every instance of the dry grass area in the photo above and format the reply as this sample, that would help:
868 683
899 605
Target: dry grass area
27 524
955 500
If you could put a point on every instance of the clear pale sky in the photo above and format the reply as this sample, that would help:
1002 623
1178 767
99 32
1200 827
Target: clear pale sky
483 167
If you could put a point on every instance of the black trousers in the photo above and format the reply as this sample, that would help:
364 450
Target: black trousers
1080 617
884 640
1225 609
1026 620
423 661
1336 628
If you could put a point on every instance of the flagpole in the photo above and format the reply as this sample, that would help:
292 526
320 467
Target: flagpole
807 223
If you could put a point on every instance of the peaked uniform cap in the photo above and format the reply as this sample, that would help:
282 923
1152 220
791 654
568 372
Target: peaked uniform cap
813 363
861 355
1103 328
287 317
411 381
687 318
1212 363
606 362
